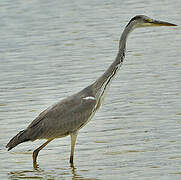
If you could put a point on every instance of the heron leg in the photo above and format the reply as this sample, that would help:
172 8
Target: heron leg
73 140
35 152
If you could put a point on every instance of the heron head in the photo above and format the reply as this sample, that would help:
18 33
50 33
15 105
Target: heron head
145 21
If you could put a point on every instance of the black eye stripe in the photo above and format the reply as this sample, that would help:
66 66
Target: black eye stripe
135 18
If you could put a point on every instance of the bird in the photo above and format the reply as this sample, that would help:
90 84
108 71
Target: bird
71 114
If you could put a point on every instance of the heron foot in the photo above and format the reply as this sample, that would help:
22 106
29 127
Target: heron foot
71 161
35 154
35 165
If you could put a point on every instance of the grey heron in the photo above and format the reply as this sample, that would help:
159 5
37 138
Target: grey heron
69 115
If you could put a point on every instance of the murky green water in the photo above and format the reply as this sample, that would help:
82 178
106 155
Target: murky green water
51 49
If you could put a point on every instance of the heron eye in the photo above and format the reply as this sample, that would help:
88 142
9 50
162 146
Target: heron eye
149 20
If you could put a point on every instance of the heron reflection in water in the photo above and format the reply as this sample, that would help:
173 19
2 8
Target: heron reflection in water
69 115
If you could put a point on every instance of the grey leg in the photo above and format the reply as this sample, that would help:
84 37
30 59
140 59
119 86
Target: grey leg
35 153
73 140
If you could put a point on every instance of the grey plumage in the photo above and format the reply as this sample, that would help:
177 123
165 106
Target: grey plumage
19 138
72 113
75 109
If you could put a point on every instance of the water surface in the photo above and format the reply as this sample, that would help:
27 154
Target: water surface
51 49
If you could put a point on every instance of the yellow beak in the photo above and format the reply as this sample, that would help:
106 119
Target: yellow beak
159 23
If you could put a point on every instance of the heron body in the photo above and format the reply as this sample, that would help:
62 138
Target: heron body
69 115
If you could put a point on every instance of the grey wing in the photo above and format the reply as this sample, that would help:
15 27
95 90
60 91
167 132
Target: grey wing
62 118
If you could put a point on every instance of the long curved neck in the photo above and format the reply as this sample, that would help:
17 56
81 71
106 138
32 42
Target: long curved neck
103 82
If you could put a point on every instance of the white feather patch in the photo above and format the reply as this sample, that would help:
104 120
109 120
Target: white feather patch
89 98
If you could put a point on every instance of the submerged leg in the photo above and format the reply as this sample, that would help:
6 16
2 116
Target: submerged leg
73 140
35 153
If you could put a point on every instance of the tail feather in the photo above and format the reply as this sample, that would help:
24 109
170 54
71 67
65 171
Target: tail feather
19 138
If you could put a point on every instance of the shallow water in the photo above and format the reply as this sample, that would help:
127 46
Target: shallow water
51 49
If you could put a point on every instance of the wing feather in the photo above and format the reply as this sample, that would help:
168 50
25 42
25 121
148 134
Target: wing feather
62 118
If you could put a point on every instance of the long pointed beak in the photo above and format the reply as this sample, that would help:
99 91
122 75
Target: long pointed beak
160 23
